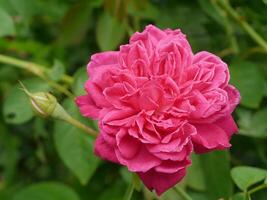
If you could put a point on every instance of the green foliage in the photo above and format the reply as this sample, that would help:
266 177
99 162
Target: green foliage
61 35
216 167
239 196
57 71
80 78
74 147
247 176
8 160
114 192
75 23
109 32
7 25
25 8
253 124
195 176
16 108
248 78
207 6
46 191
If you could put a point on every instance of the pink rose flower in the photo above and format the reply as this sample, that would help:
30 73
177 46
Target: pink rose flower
156 103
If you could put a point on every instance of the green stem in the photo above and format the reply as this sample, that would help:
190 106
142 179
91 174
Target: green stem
67 79
260 187
39 71
81 126
59 88
31 67
225 52
252 51
228 27
129 191
247 196
182 193
147 194
251 32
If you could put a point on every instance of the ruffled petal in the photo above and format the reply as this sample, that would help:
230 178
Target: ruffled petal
210 137
161 181
207 60
104 150
228 125
141 162
233 96
170 167
87 106
151 32
102 59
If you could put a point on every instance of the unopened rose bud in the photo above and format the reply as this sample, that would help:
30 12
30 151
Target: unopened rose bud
43 104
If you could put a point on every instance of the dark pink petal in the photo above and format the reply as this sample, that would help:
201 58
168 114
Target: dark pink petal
228 125
113 94
108 135
176 155
87 106
127 145
209 61
135 58
101 59
173 146
210 137
161 181
170 166
119 117
96 93
182 133
104 150
142 161
233 96
151 32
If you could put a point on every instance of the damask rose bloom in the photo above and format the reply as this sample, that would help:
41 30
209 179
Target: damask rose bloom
156 103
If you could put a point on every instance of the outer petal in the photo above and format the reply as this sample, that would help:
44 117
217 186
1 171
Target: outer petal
161 181
206 59
151 32
113 94
96 94
170 167
101 68
177 155
102 59
104 150
228 125
87 106
233 96
142 161
127 145
210 137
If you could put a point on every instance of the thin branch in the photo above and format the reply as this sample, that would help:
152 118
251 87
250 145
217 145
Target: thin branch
39 71
247 27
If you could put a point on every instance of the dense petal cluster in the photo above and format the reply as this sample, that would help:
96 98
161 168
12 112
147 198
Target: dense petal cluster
156 103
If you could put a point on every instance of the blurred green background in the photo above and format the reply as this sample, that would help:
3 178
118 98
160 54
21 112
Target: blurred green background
48 44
